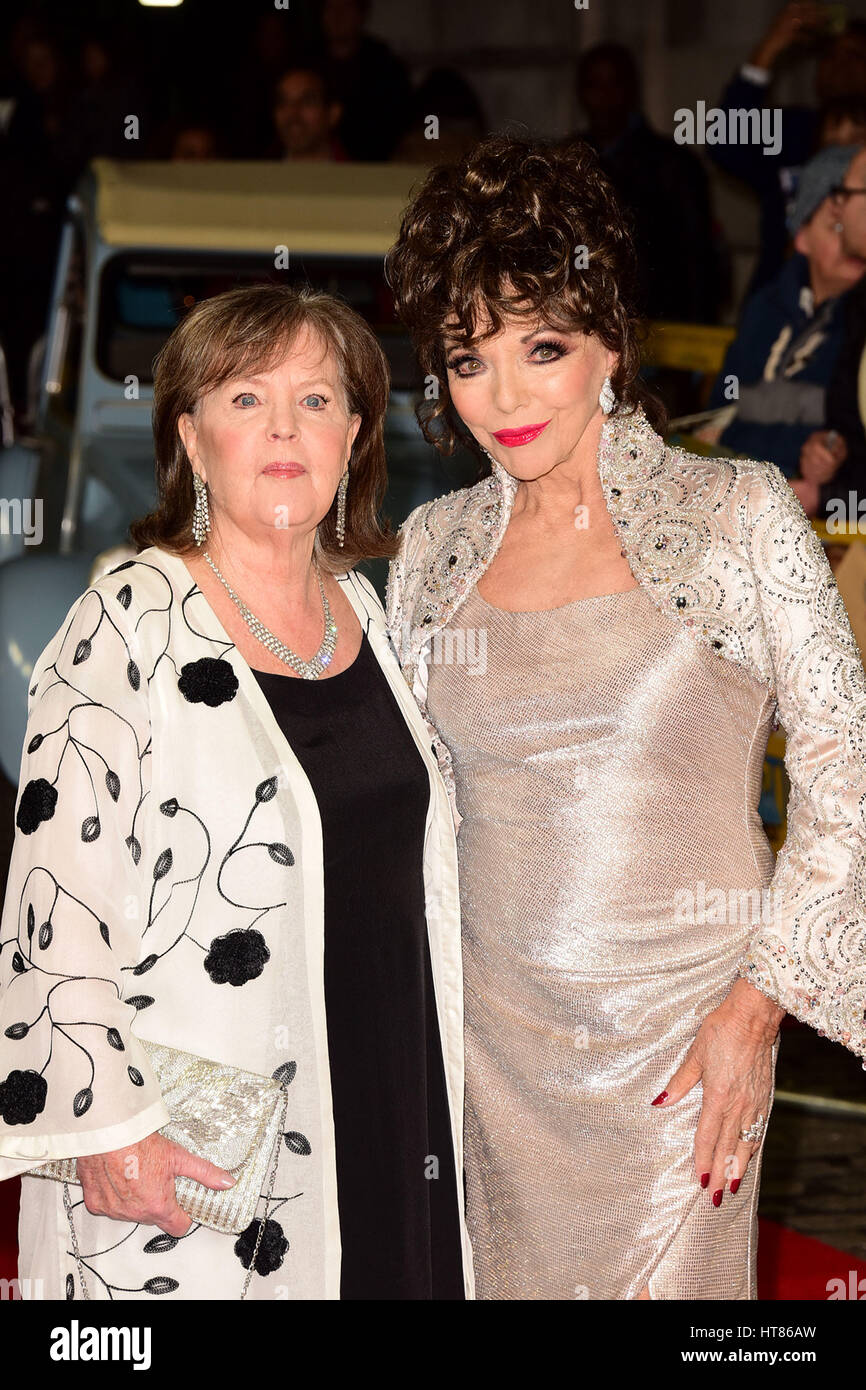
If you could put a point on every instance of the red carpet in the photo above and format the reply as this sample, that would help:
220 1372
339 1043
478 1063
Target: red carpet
790 1266
9 1228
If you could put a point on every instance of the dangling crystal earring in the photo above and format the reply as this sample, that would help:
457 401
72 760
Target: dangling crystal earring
606 398
341 507
201 515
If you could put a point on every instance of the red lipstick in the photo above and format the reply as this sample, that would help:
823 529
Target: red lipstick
513 438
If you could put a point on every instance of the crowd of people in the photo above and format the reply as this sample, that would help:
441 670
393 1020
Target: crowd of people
787 391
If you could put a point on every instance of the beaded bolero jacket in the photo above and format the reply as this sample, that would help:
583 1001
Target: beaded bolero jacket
725 547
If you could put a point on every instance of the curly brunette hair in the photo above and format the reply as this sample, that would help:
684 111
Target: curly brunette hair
518 227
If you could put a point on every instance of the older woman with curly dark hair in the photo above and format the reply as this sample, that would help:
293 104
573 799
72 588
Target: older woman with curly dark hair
601 633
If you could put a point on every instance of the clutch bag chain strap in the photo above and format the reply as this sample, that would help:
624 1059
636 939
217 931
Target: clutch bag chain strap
67 1202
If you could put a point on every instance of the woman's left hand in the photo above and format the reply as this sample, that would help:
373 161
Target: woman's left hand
732 1056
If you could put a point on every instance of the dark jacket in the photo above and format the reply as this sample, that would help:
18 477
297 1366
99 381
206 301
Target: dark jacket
780 335
772 176
666 189
843 409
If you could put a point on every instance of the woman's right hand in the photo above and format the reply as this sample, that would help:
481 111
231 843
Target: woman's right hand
137 1183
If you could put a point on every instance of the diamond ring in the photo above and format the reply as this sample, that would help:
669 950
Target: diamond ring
753 1135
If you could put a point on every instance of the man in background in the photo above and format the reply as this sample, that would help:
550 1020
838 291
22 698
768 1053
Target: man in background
803 26
773 383
306 116
664 186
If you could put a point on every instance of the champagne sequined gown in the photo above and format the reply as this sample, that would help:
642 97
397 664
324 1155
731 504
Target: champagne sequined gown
607 766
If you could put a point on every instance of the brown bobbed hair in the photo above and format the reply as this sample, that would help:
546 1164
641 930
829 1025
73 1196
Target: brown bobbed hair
251 329
498 233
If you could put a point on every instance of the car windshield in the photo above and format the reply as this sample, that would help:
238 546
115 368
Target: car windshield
144 296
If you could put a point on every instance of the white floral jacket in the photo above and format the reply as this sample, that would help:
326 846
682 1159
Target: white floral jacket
167 884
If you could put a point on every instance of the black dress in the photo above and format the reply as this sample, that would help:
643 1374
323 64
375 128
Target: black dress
398 1221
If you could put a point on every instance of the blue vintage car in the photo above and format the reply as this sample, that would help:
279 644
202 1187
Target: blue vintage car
141 243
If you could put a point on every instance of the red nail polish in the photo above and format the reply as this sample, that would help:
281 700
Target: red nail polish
658 1100
717 1198
734 1185
705 1177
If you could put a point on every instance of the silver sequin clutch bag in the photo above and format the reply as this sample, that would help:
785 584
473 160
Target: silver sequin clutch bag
233 1117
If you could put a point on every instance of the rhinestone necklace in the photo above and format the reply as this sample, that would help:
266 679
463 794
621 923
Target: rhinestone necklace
310 670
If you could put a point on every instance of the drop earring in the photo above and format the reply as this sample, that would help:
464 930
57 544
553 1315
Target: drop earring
606 398
341 507
201 515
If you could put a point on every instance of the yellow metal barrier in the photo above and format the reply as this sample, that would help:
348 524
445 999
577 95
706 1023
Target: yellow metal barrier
774 791
695 347
843 536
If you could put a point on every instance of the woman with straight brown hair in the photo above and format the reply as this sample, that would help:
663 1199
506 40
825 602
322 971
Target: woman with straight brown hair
233 843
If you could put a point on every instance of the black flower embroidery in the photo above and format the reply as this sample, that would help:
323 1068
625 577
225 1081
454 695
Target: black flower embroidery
208 681
272 1250
22 1097
237 957
160 1245
38 803
160 1284
82 1102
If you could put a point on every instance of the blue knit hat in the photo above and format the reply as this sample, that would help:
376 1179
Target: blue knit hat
824 172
